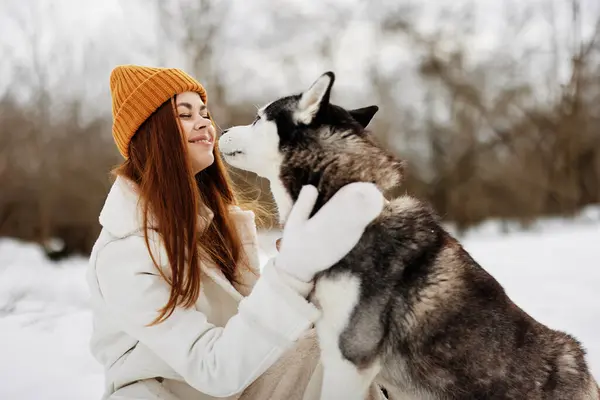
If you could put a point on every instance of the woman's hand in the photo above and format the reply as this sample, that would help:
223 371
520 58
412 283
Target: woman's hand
312 245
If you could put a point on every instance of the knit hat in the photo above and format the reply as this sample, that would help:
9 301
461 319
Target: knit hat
138 91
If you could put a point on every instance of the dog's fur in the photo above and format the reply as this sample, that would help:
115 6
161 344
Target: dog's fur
407 306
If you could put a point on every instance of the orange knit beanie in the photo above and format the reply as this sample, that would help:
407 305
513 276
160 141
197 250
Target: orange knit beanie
138 91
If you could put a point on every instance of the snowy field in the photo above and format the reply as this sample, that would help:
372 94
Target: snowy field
552 271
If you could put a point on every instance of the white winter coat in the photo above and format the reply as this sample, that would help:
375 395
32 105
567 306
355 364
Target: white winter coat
216 349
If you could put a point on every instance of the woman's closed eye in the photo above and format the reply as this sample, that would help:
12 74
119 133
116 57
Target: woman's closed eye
203 115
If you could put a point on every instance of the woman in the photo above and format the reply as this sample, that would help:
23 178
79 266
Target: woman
180 311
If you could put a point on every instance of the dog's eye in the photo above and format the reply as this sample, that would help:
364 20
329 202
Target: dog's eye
256 119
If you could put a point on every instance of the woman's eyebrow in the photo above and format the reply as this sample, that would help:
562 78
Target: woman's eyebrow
189 106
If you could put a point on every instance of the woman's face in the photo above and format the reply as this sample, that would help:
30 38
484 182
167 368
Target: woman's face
197 128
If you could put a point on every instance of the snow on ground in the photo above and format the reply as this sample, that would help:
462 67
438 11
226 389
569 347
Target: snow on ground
551 271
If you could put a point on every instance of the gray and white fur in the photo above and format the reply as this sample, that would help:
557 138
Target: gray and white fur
408 306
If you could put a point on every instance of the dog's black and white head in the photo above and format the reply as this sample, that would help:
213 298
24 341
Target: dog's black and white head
304 139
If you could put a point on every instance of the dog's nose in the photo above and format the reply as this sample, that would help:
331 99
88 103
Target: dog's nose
225 131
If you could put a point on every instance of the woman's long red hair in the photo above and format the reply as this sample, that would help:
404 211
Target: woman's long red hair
174 197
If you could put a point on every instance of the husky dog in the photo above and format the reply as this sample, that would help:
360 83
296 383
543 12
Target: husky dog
407 307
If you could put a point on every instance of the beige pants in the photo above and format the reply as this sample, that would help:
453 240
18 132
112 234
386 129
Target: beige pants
296 376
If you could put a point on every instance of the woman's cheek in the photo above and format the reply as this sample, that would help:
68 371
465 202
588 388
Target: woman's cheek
186 127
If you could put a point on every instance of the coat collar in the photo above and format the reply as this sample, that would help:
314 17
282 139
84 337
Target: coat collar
122 217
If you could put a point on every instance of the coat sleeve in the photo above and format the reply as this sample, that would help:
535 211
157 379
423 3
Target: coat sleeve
218 361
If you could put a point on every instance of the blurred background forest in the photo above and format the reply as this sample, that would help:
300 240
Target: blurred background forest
494 104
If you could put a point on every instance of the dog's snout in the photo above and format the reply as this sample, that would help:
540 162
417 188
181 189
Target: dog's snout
225 131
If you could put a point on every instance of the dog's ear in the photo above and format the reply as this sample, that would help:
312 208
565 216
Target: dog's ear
315 98
364 115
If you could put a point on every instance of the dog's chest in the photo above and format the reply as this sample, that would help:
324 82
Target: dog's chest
339 299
